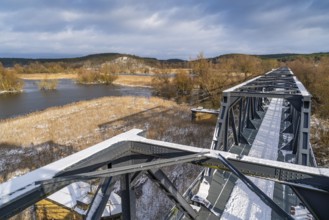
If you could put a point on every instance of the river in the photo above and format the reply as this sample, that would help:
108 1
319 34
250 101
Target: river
32 99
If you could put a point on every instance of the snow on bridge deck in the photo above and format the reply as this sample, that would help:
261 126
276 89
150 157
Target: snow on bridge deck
243 203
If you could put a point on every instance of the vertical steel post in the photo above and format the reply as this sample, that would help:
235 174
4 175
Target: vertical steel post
100 199
304 133
246 113
240 119
235 136
128 198
220 133
252 108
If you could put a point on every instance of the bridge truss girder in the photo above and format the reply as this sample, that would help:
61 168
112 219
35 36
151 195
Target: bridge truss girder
244 100
130 155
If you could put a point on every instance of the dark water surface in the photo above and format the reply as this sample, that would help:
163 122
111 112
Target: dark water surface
32 99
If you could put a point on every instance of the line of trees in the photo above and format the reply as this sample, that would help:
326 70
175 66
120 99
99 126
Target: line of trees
211 76
37 67
129 66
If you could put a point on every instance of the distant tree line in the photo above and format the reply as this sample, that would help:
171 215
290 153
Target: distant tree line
129 66
37 67
211 76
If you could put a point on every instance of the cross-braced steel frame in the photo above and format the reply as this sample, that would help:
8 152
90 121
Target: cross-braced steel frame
129 155
241 104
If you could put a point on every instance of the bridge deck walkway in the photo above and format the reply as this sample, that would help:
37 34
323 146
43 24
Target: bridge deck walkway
243 203
222 183
284 196
230 198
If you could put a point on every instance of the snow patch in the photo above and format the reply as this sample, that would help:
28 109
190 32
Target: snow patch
243 203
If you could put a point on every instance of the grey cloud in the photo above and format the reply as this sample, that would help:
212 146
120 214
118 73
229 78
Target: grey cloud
163 29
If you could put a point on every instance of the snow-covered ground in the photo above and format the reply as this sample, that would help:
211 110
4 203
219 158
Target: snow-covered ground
82 192
243 203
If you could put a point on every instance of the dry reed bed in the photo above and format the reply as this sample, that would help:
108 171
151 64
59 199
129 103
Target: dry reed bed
320 140
134 80
39 76
129 80
74 121
37 139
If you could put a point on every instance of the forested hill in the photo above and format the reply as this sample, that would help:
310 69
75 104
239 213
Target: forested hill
93 59
292 56
96 59
280 56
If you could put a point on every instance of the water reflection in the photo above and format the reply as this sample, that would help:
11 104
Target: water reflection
32 99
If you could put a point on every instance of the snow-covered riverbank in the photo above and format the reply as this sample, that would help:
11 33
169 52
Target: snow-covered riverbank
10 91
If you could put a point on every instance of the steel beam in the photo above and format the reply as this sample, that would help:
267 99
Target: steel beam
160 178
303 151
316 179
289 174
128 198
265 94
125 169
100 200
29 198
267 200
240 124
97 160
315 201
235 135
244 114
220 133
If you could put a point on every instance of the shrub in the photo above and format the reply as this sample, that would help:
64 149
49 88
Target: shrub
48 84
9 81
183 83
86 76
163 86
106 75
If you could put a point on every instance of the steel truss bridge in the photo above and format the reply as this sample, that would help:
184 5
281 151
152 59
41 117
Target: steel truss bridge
129 155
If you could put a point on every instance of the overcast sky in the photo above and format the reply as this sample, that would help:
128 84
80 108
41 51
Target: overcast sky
162 29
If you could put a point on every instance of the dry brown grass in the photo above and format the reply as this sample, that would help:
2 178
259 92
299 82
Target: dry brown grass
134 80
39 76
60 131
129 80
69 124
320 140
